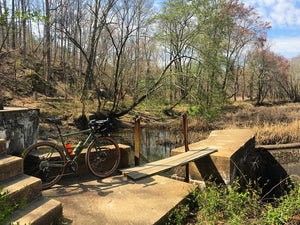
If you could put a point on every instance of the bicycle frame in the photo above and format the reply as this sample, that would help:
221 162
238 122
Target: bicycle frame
48 160
90 137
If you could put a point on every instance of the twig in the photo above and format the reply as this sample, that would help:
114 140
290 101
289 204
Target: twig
277 185
243 175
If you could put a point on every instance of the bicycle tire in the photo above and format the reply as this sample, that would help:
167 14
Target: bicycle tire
38 159
102 157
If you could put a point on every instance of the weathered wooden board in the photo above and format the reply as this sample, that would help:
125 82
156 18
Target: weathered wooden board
152 168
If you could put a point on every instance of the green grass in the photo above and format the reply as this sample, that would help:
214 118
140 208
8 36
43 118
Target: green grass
6 208
216 204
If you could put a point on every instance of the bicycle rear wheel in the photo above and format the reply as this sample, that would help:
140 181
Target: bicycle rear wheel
46 161
103 157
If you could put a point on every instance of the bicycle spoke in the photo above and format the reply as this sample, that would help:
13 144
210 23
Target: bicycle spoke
45 161
103 157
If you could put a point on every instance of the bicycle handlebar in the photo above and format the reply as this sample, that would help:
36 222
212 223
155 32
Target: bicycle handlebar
98 126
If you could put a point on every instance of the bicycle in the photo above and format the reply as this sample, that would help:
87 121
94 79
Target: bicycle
48 160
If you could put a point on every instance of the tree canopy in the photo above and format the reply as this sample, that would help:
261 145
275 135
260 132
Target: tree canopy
121 52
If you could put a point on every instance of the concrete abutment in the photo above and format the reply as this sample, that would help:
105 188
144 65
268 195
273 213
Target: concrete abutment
238 158
221 165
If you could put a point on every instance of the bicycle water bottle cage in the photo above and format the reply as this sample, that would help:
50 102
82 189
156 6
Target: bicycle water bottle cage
100 126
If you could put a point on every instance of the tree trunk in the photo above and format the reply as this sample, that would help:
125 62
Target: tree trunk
47 46
7 27
24 49
2 27
13 25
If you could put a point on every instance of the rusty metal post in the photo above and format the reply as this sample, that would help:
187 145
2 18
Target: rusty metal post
186 145
137 141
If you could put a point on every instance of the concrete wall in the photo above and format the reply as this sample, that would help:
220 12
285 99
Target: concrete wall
287 155
19 126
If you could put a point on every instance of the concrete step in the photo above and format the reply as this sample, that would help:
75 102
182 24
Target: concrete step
42 211
20 187
2 146
10 166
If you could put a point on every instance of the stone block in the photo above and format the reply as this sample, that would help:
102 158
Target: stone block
22 186
19 127
275 163
287 155
43 211
125 156
10 166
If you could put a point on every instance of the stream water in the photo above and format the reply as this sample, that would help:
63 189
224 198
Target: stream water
155 143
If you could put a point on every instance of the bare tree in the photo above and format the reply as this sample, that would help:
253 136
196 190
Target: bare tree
24 40
13 41
124 32
47 45
99 13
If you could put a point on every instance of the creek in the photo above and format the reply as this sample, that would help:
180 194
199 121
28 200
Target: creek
156 144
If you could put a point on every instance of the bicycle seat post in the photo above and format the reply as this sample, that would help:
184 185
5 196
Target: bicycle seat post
58 128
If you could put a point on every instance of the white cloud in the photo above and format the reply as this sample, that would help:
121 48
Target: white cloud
284 16
289 46
268 2
279 12
285 13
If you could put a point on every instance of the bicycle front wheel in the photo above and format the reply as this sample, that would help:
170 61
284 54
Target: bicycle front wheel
103 157
46 161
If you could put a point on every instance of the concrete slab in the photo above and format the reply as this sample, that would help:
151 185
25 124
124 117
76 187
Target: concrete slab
118 200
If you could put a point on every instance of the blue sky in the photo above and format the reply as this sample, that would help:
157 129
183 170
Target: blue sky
284 16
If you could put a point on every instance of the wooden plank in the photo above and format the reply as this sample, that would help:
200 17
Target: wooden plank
152 168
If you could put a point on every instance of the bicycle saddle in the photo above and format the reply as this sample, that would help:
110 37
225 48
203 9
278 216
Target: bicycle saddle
55 121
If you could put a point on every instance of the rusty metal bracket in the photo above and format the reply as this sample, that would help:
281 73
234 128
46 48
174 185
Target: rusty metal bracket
137 141
186 145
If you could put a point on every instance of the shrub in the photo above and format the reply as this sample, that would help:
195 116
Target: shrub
283 208
6 208
216 204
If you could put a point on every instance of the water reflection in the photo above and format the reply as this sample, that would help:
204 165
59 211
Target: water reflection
155 144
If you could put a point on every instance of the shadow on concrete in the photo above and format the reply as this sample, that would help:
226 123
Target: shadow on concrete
208 170
71 185
64 221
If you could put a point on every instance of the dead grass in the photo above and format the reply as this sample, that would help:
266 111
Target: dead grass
281 133
276 124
